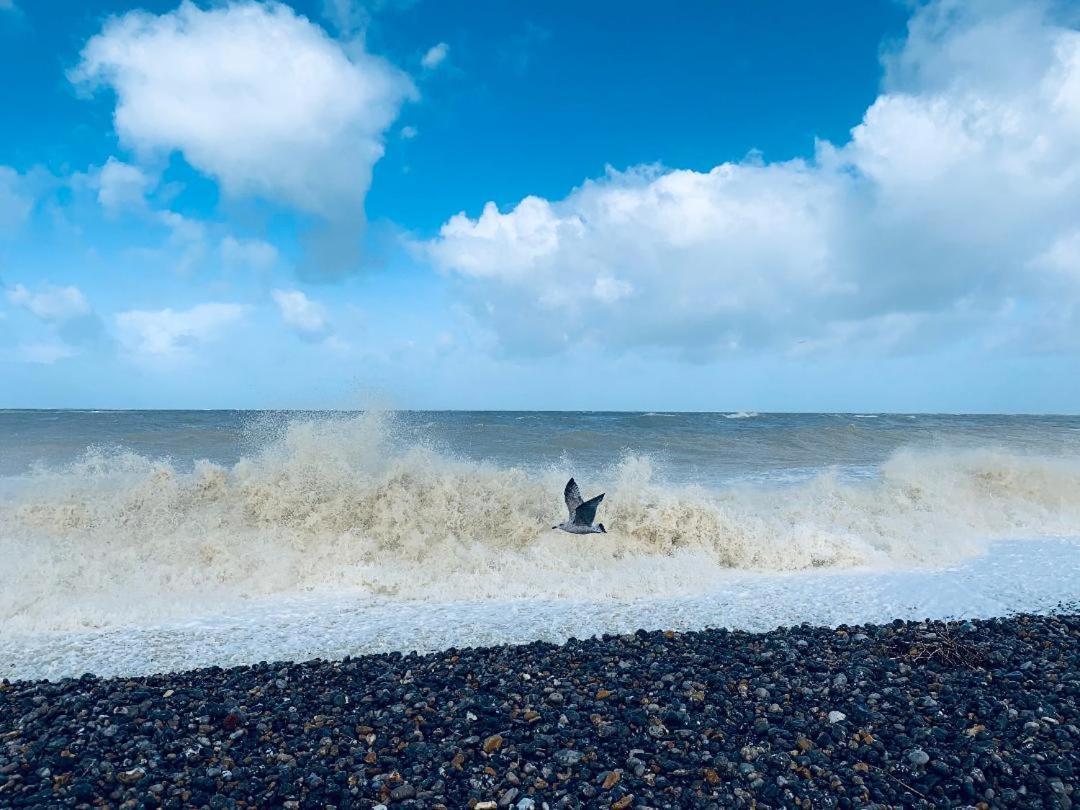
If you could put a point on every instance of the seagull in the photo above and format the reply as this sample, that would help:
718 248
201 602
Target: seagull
582 513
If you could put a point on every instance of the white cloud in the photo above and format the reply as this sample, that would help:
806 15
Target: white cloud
16 202
301 313
650 258
123 186
953 206
169 335
435 56
409 132
52 303
248 253
253 95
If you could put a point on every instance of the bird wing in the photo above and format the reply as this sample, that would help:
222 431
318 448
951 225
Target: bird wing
586 512
573 496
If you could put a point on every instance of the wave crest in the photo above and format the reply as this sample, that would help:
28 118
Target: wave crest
330 504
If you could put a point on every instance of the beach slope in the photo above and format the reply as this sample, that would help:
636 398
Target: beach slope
981 713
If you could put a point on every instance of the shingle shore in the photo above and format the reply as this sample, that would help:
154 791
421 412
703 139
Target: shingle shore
981 713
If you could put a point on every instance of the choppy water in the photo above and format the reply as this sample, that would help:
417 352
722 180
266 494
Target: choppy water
335 533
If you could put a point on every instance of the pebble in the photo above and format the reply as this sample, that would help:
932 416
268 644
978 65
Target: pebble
402 792
918 758
568 757
908 714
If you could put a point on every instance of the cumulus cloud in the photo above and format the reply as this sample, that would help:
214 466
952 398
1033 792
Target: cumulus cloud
952 208
171 335
122 186
435 56
253 95
301 313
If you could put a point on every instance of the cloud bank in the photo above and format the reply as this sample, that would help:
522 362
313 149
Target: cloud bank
954 207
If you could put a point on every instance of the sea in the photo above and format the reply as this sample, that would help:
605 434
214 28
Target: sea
135 542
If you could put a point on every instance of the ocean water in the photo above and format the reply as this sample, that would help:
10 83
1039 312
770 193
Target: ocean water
150 541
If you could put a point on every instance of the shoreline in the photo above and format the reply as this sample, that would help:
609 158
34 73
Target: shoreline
901 714
1019 576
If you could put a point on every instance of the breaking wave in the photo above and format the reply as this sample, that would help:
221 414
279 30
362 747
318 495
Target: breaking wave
334 505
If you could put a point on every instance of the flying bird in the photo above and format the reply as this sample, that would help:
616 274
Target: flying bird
582 513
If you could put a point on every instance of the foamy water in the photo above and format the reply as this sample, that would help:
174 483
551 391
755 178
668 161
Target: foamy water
1030 575
290 536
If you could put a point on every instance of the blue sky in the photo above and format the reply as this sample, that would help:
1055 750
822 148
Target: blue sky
746 205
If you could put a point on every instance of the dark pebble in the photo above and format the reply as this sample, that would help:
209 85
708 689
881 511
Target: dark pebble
979 713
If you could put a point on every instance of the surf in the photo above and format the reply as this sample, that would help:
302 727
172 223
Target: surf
336 505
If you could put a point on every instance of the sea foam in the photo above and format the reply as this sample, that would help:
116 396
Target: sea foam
333 506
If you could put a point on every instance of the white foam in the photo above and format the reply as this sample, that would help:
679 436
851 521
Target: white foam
330 507
1031 576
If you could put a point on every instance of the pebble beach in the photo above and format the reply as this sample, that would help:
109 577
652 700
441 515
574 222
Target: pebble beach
410 405
969 714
